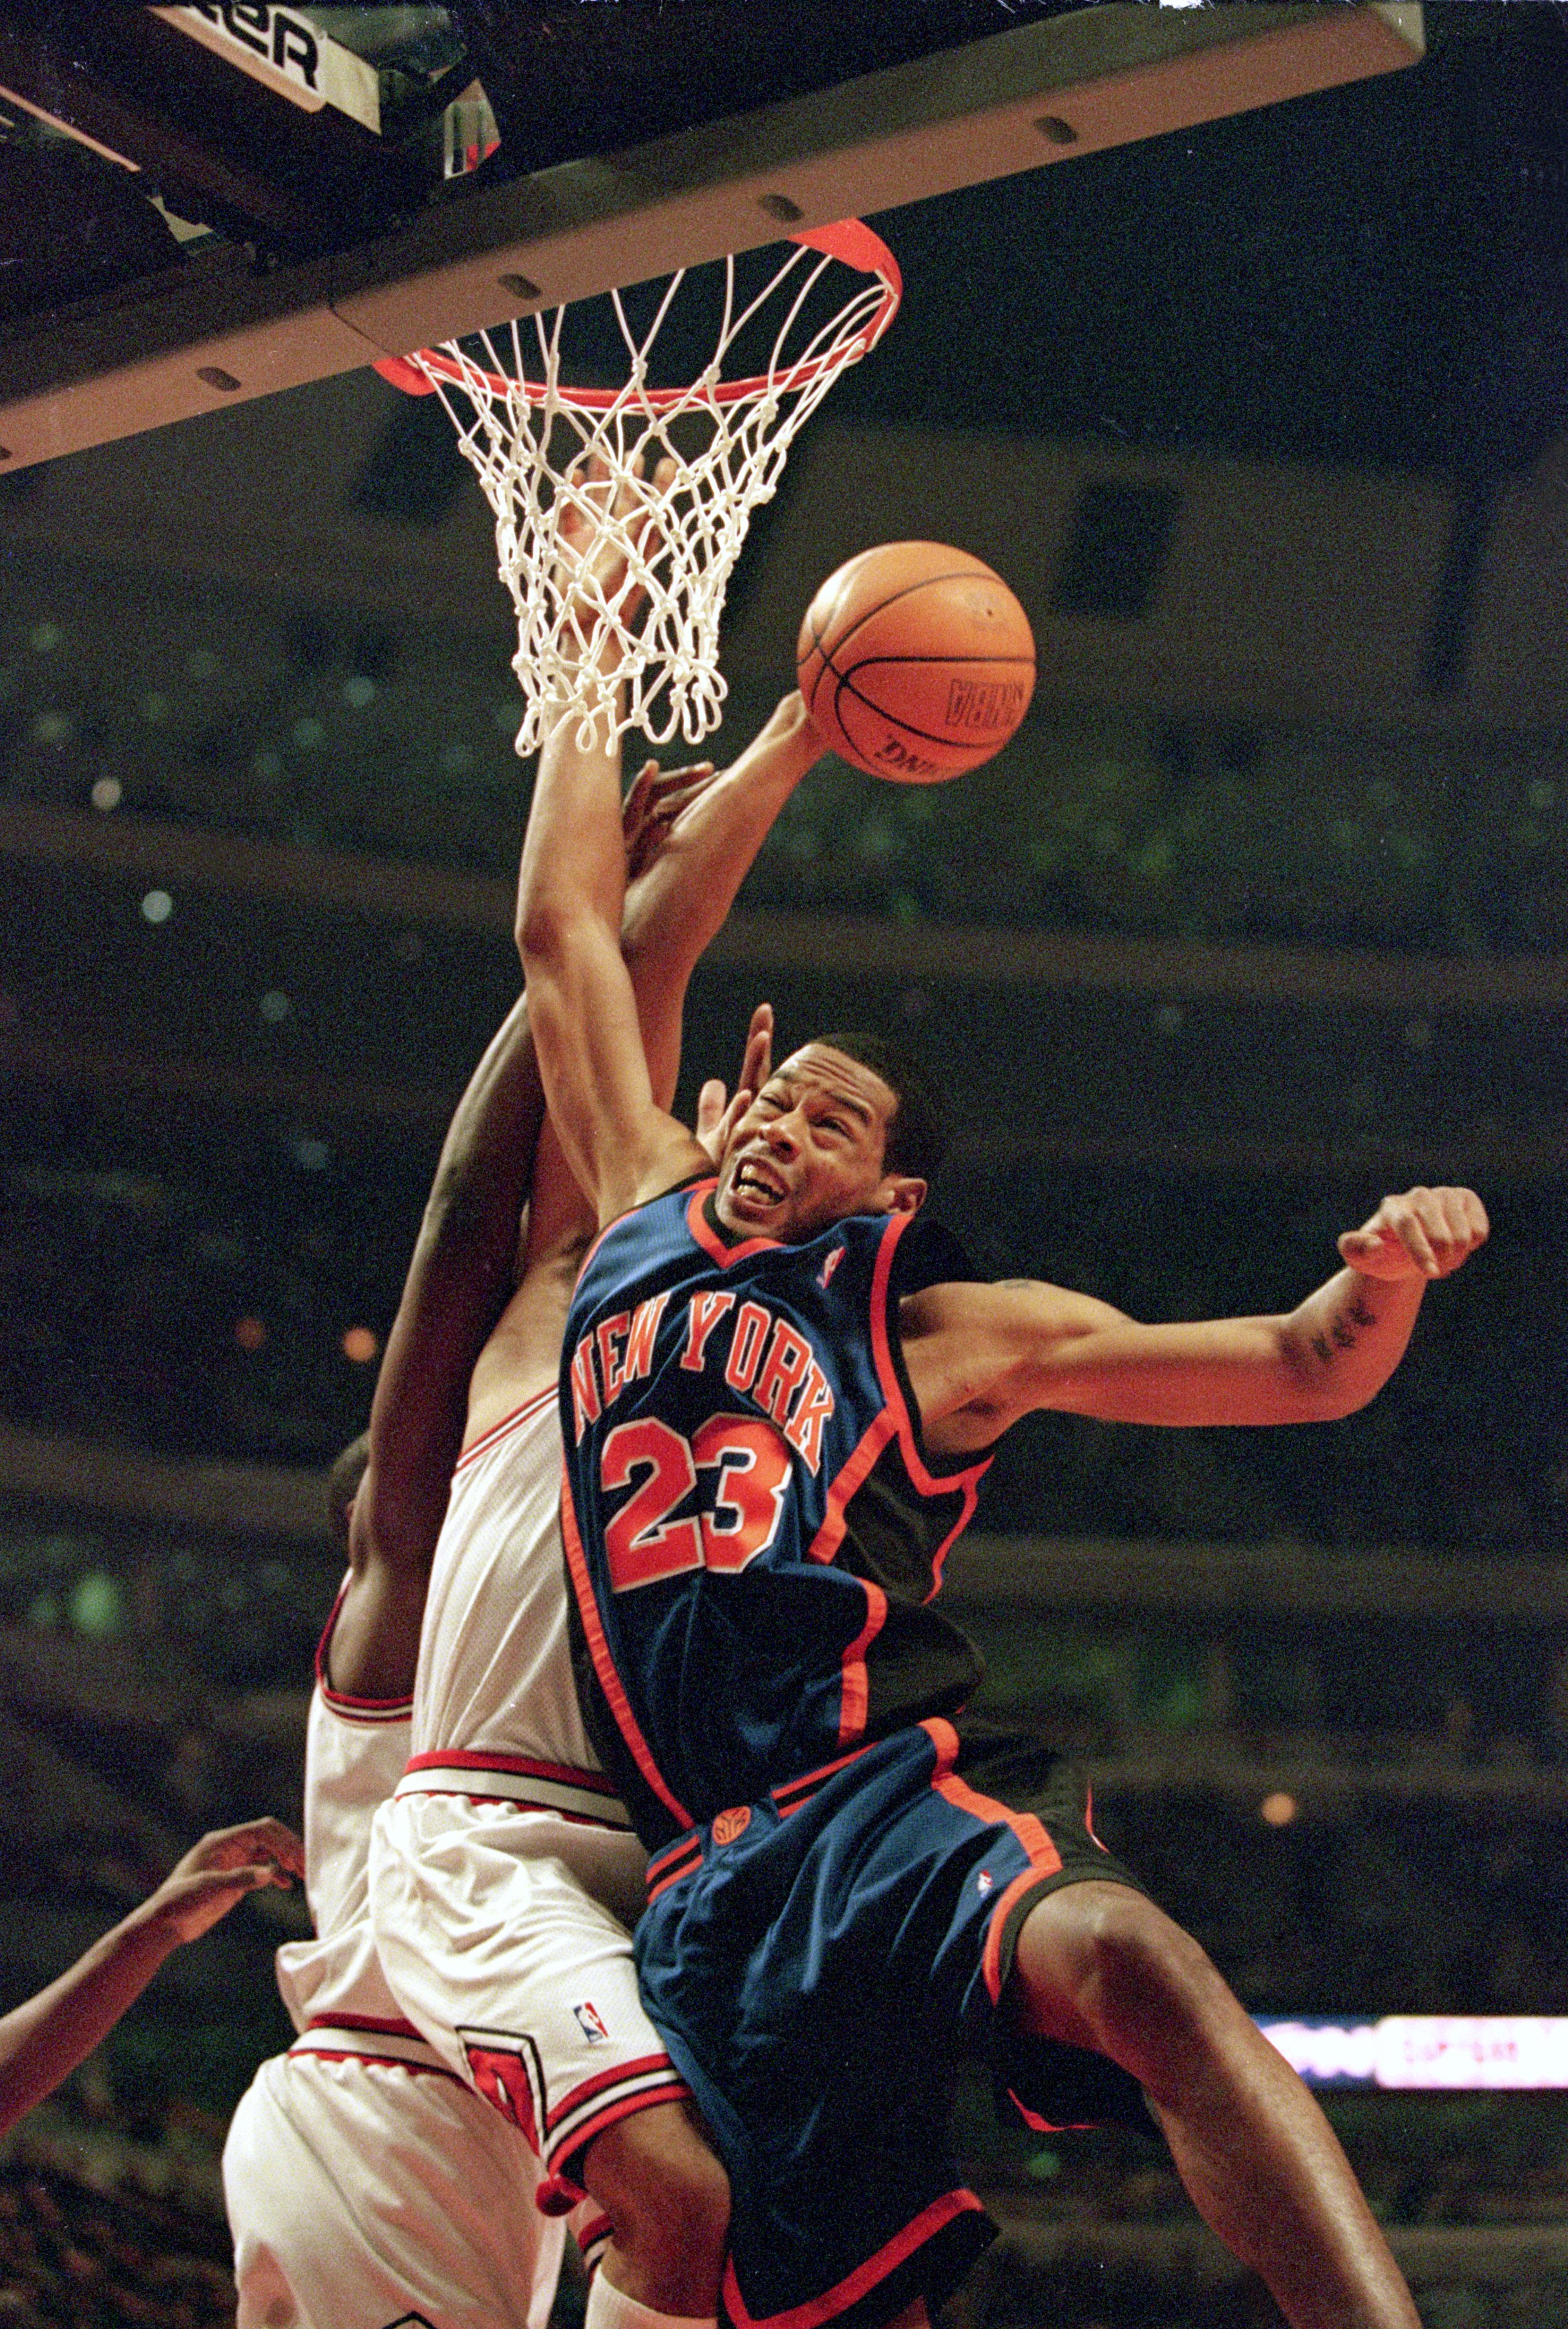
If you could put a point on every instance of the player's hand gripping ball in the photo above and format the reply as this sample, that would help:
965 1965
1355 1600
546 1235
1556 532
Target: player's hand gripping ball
916 662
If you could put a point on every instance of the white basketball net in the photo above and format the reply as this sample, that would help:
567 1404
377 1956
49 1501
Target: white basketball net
641 649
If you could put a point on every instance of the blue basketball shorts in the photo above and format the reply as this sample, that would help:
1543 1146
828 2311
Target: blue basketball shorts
818 1965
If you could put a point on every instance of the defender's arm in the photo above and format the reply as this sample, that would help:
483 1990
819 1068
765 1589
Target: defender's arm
619 1143
458 1282
608 1021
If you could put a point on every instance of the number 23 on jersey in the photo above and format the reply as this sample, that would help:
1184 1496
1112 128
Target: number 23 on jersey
745 1466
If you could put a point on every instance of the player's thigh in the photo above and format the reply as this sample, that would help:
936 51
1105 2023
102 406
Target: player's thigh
658 2162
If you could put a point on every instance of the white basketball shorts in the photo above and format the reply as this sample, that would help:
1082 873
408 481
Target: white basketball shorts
362 2194
491 1939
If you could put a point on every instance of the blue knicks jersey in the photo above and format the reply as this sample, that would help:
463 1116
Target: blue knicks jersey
753 1528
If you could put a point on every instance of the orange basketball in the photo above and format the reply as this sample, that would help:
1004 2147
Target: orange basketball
916 662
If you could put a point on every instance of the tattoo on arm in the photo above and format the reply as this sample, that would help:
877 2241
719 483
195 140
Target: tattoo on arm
1342 1328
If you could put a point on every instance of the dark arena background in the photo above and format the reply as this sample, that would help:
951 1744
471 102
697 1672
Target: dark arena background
1259 402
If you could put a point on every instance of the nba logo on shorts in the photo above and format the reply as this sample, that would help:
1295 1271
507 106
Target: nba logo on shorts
591 2021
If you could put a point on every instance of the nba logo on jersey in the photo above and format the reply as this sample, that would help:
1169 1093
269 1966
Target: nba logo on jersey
824 1273
591 2021
984 1882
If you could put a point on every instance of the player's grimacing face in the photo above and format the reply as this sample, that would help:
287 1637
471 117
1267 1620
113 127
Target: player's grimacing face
808 1151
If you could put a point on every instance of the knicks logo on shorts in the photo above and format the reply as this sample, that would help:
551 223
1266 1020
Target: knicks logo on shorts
591 2021
732 1824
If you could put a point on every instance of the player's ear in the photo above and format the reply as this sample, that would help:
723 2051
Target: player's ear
902 1192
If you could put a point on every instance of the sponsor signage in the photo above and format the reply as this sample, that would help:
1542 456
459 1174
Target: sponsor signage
281 48
1453 2051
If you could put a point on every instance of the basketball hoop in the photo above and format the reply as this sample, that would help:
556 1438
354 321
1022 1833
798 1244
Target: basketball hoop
543 450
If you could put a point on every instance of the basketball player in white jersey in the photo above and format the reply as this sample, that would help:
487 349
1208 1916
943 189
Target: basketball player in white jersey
365 2185
505 1873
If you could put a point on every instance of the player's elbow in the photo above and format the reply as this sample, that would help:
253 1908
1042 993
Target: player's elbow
1327 1406
1316 1386
468 1231
542 930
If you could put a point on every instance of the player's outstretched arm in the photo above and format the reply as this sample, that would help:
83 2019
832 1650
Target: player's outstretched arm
619 1143
680 892
41 2042
980 1357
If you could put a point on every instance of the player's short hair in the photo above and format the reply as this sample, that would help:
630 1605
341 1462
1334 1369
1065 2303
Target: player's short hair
916 1136
348 1469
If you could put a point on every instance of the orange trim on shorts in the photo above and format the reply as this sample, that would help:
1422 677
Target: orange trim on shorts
604 1667
859 2283
1044 1860
790 1795
668 1876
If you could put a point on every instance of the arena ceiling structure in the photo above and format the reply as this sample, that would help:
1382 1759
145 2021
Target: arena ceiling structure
377 178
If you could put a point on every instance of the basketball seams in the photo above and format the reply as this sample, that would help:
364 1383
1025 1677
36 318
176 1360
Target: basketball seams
845 678
975 574
894 718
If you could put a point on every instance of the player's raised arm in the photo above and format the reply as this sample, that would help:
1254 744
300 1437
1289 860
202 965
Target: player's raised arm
689 837
981 1356
680 900
621 1144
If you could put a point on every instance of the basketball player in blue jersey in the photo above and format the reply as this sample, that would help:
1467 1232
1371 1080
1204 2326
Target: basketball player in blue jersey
777 1409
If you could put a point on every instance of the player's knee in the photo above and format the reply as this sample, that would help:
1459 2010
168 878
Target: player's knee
1147 1978
1105 1955
692 2205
